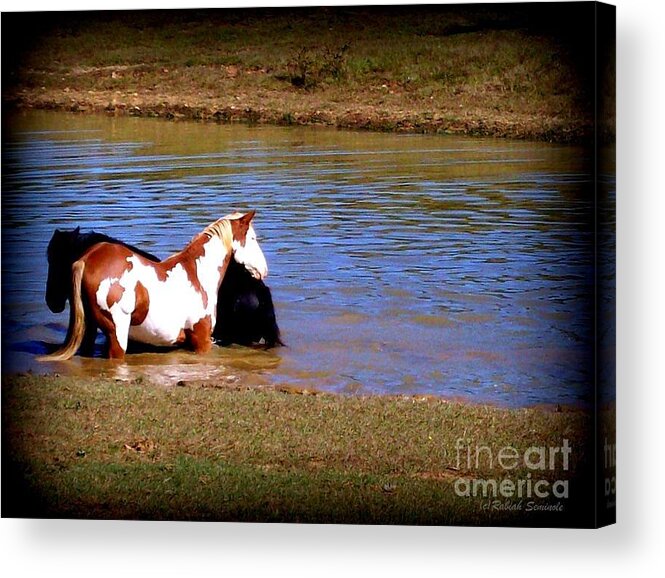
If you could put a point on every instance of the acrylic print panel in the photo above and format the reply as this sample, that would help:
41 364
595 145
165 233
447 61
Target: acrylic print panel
434 196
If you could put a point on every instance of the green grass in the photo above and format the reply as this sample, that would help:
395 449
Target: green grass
191 489
474 70
104 449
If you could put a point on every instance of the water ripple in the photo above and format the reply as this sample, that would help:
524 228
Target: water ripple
451 266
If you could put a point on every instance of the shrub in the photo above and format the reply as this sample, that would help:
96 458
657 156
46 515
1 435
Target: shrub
312 66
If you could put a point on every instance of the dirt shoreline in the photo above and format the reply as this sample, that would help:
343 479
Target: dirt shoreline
504 71
176 108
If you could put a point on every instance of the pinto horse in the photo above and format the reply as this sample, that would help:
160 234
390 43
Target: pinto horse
163 303
245 310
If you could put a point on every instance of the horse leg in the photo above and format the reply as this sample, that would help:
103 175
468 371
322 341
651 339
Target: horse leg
115 346
118 340
200 336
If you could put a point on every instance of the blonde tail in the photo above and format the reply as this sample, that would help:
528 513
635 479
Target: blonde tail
76 320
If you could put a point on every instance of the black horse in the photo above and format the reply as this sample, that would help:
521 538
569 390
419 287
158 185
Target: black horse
245 311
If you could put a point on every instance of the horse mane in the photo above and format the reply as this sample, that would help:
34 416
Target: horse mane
222 228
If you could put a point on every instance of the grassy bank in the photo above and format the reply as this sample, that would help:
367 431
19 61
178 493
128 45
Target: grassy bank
105 449
503 71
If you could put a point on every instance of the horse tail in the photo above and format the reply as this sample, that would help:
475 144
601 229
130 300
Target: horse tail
76 328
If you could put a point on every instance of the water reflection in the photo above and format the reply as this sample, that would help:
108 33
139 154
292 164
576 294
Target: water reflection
458 267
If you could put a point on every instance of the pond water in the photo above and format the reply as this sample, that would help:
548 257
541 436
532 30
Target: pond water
407 264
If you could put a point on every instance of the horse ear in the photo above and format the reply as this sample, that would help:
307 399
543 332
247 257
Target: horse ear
245 221
76 231
241 225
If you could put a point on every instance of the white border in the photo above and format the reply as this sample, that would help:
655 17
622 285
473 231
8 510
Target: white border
70 548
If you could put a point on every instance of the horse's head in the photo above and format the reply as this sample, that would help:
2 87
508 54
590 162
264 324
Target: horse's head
60 255
246 249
